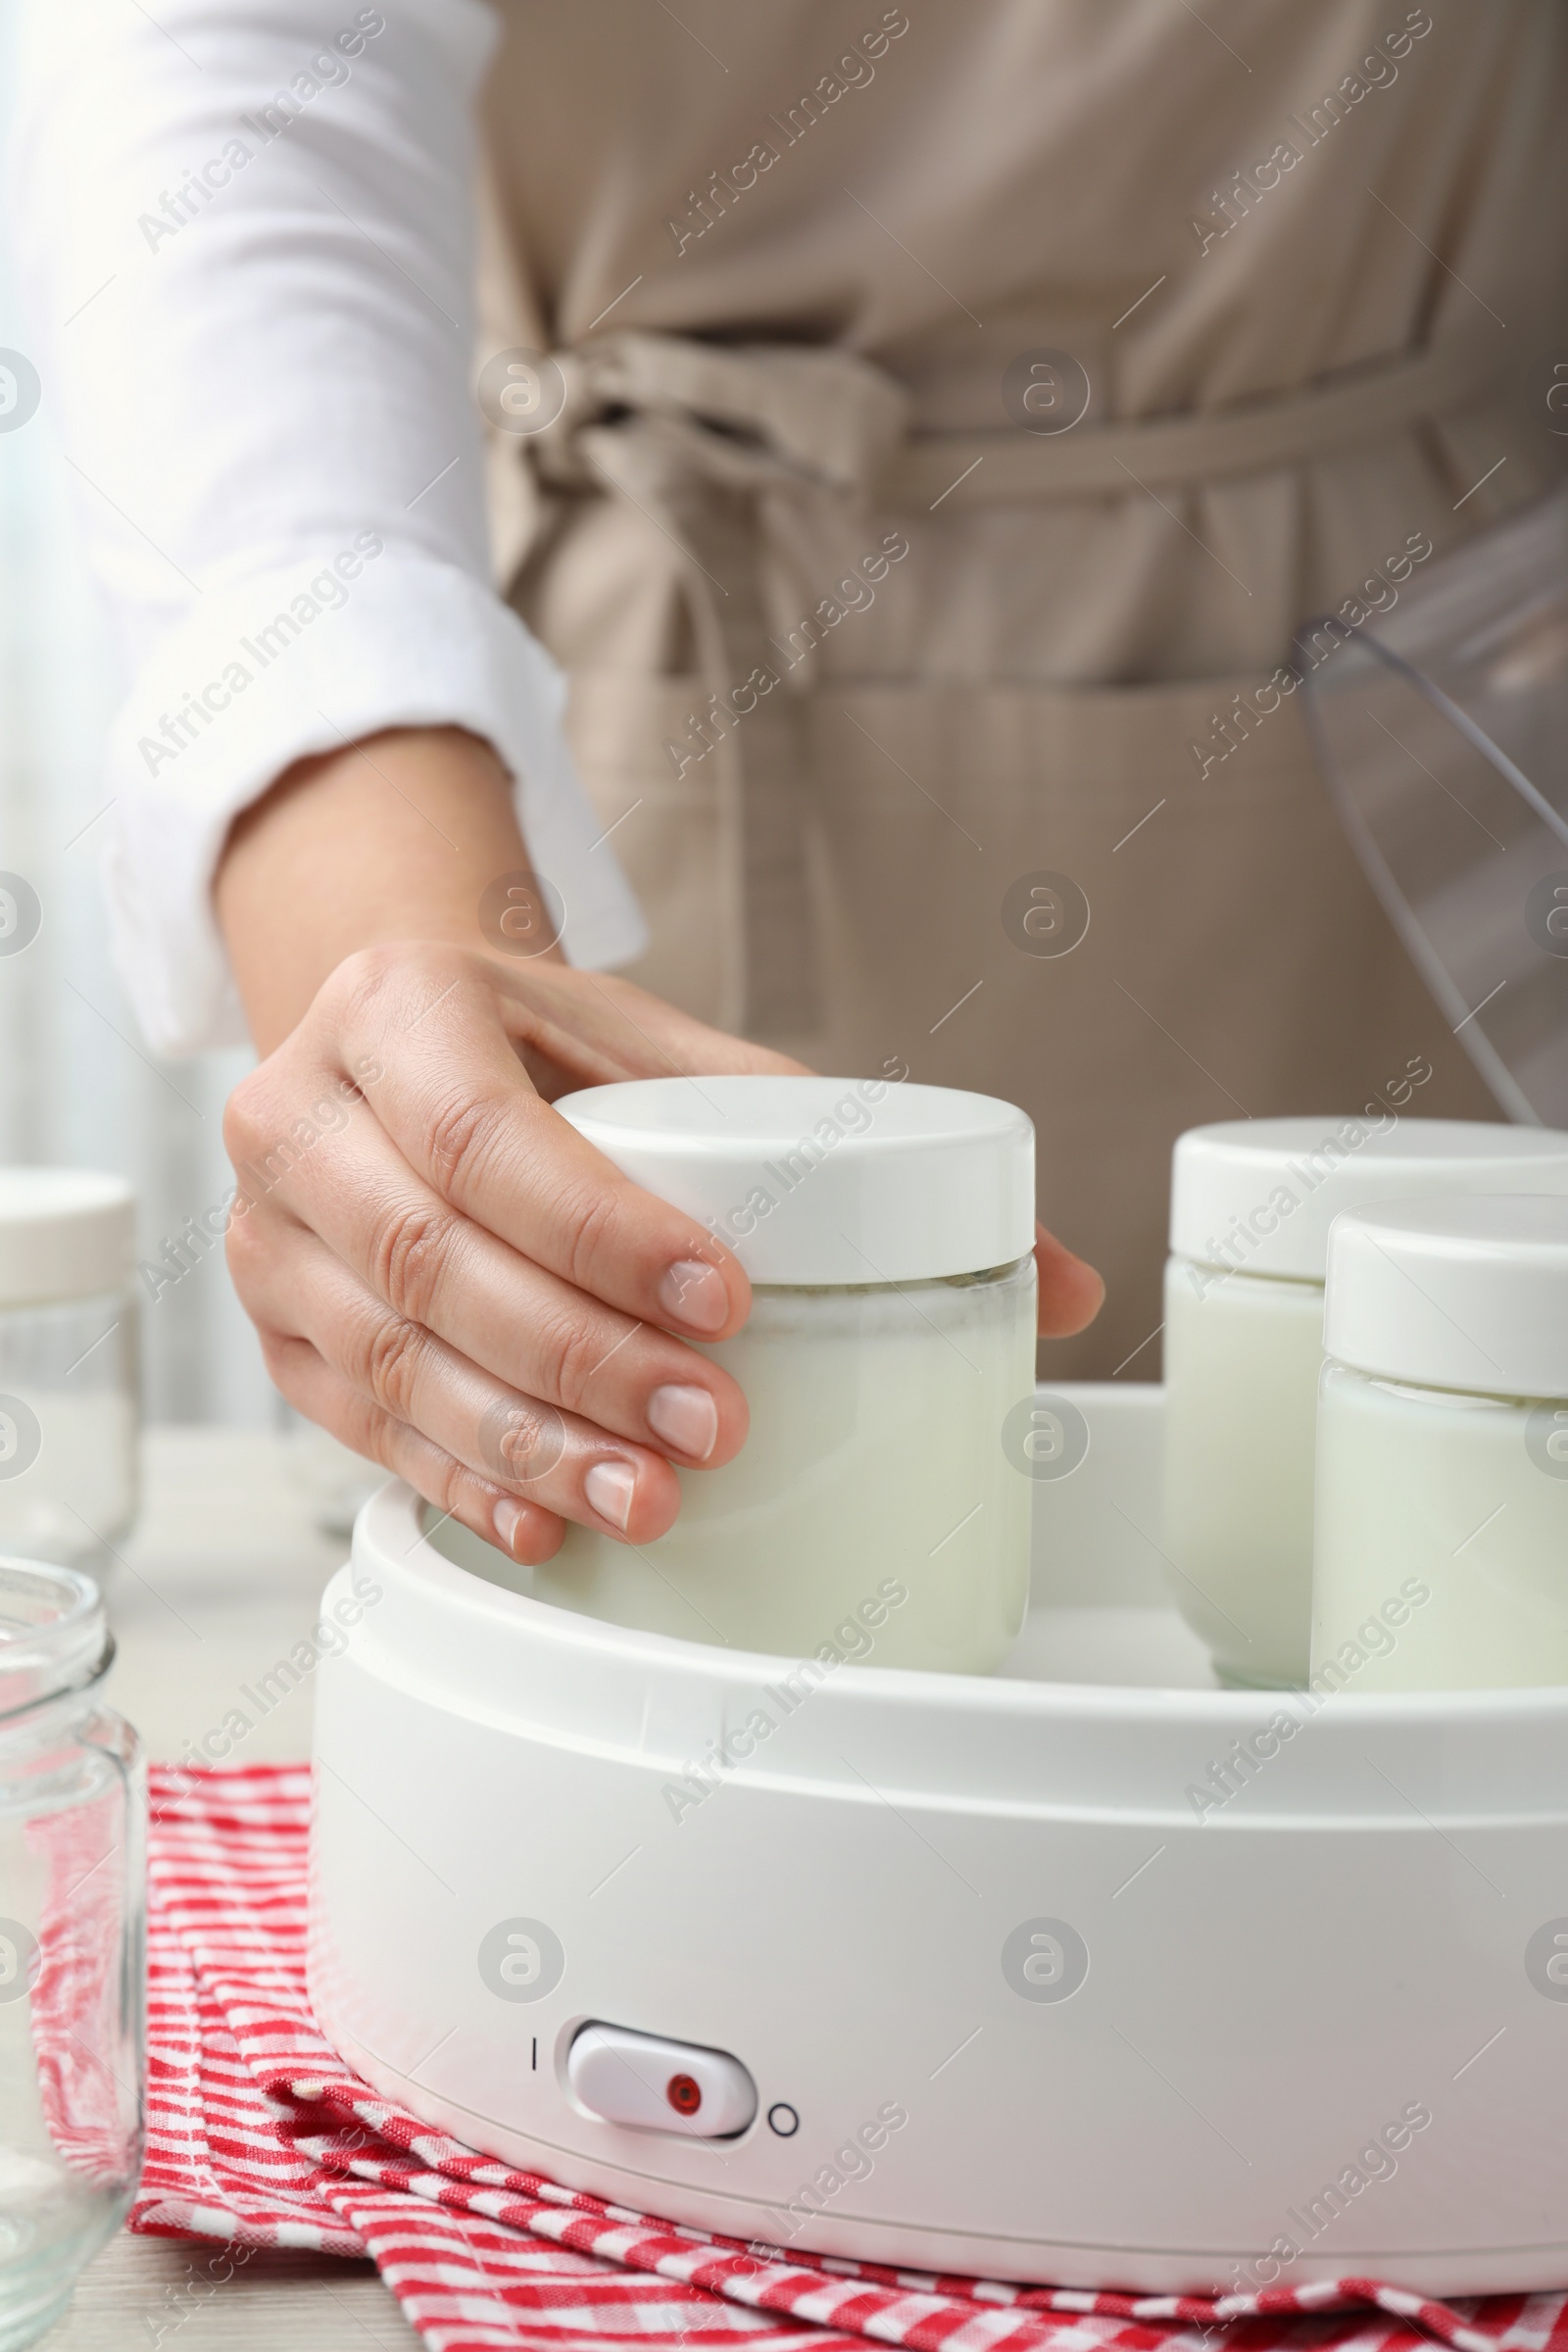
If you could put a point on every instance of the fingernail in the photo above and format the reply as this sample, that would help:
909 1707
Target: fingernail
506 1517
609 1487
693 1294
685 1418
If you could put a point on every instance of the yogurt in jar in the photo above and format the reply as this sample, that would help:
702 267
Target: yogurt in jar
1252 1204
888 1230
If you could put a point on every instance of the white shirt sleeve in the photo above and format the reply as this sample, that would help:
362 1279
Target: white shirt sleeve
248 250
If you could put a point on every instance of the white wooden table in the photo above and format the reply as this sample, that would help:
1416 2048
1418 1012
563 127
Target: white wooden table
225 1573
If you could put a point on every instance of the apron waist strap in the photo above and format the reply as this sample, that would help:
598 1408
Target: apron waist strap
1255 437
697 436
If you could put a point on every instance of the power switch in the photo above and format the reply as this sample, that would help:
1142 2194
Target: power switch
658 2085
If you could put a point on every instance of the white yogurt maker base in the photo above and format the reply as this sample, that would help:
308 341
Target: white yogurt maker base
1140 2031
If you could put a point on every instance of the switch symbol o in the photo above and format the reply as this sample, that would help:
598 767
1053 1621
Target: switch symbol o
683 2094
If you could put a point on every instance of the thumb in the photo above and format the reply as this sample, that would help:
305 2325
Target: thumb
1071 1293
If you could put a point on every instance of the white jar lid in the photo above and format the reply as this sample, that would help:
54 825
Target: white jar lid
1465 1291
828 1179
65 1232
1259 1195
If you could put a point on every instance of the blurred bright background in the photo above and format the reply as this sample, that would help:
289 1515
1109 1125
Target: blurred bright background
77 1087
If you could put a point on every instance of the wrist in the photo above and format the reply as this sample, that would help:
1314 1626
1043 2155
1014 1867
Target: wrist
397 836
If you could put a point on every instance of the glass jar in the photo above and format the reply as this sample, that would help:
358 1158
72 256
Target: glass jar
1441 1545
888 1231
68 1365
1243 1353
1252 1203
73 1809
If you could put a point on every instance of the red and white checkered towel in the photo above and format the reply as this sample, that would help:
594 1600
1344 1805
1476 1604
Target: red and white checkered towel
259 2133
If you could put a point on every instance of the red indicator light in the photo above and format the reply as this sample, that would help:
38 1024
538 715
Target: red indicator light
683 2094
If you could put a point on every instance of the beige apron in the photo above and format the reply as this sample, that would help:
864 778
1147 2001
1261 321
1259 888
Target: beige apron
1018 806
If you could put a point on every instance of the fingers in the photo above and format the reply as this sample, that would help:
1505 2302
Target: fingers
525 1529
461 1112
537 1333
1071 1293
455 1281
558 1016
295 1286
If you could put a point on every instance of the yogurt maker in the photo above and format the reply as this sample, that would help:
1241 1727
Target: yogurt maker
1087 1971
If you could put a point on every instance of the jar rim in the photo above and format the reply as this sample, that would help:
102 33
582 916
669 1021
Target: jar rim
1399 1384
1279 1276
53 1637
982 1277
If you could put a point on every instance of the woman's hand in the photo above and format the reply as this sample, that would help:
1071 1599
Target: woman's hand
443 1272
448 1277
1071 1293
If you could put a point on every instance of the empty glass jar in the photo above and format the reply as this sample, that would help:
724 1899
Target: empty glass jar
73 1809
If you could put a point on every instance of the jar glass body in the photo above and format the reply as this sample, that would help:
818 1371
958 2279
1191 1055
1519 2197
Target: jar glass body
871 1507
1243 1355
69 1409
73 1809
1441 1545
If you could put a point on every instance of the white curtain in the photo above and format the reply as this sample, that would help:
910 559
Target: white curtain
77 1086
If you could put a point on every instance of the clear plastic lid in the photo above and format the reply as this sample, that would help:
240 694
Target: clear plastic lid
1440 726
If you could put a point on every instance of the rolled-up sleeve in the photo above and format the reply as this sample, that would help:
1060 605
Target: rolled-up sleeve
248 250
